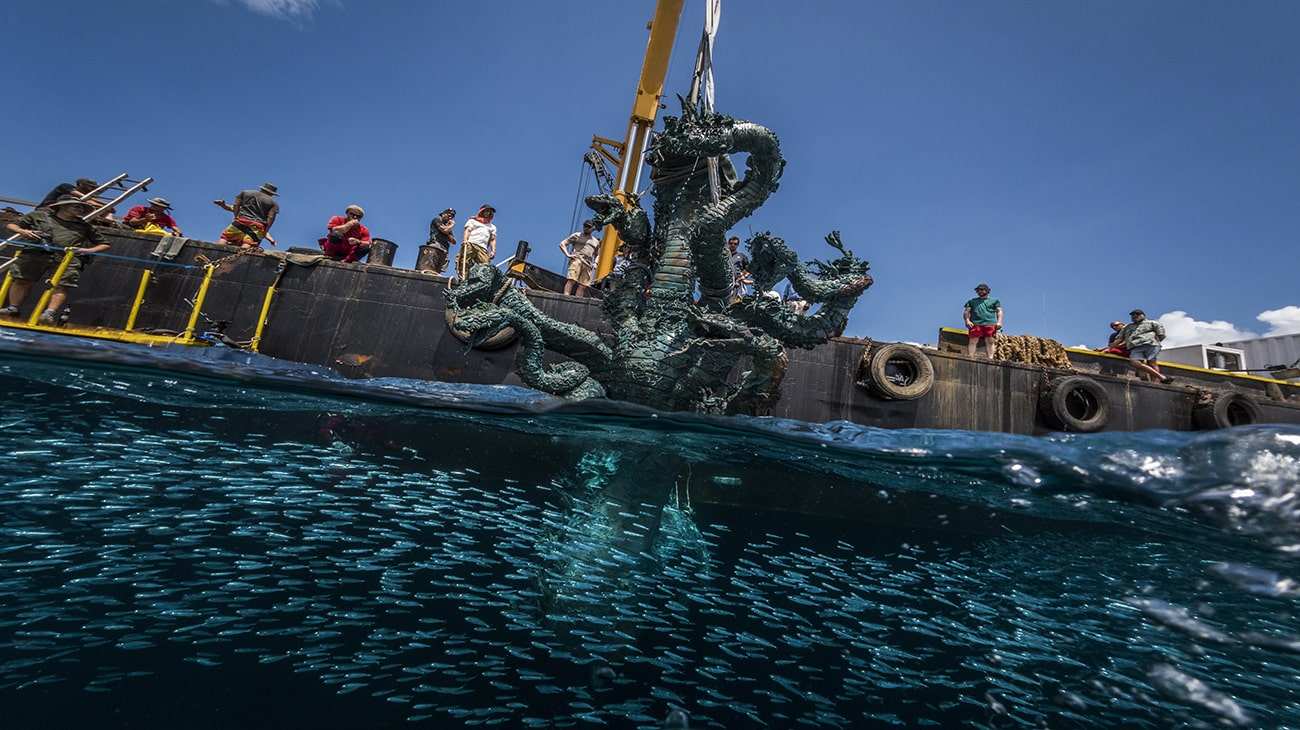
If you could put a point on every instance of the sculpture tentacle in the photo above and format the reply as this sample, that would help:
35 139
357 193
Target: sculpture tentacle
665 353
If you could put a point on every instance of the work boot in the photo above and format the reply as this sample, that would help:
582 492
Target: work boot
49 318
10 311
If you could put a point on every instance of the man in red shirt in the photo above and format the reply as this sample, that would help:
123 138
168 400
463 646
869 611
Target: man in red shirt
348 241
152 218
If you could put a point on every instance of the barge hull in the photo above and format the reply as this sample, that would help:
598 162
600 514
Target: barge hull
379 321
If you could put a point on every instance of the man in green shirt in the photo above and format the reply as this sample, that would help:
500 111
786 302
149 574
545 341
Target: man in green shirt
59 225
1142 338
983 317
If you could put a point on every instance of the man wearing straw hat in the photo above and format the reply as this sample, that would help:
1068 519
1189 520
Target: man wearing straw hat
348 240
255 212
58 226
154 219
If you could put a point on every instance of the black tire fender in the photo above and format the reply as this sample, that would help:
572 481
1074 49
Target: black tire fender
1224 410
500 340
1075 403
896 371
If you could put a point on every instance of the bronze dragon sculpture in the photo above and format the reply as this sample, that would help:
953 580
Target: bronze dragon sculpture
669 350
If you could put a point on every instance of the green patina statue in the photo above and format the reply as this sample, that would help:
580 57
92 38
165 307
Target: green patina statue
668 350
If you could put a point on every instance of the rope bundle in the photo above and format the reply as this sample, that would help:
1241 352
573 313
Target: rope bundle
1031 350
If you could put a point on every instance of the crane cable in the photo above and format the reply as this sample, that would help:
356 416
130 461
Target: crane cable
702 88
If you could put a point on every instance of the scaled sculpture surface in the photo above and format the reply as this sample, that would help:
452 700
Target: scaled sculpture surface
668 350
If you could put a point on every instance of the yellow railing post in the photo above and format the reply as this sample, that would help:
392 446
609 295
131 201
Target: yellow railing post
4 288
256 342
54 283
188 334
139 300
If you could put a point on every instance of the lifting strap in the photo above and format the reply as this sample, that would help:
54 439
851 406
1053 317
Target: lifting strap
702 89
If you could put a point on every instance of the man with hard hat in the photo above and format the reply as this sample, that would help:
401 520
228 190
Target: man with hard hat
58 226
348 241
153 219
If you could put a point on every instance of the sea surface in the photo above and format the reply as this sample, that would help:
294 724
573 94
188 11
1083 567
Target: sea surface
216 540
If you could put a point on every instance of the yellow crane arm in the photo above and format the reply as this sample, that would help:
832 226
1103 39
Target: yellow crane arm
645 108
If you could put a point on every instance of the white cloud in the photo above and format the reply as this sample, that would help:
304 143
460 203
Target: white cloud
1284 321
1182 329
283 9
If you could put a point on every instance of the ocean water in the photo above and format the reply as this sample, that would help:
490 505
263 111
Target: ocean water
216 540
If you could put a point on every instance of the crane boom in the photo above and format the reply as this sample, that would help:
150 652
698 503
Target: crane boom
645 108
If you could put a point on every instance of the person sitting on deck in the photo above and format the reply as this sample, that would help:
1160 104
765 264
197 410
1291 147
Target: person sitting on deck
59 225
1142 337
1115 345
580 248
983 317
442 236
348 240
255 212
479 244
153 219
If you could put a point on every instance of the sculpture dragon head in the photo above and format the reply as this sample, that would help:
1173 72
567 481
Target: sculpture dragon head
677 154
772 260
480 285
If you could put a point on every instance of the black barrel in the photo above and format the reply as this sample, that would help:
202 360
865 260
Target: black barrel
382 251
431 258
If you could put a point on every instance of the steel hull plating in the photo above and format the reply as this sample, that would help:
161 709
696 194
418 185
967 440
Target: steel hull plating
378 321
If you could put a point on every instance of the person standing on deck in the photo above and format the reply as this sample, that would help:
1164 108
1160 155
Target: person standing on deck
62 190
479 244
1142 338
348 240
983 317
580 249
60 225
153 219
442 236
255 212
738 263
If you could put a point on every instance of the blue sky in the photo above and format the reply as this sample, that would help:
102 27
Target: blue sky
1083 158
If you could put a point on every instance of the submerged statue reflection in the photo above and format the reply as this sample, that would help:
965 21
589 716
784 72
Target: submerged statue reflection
668 350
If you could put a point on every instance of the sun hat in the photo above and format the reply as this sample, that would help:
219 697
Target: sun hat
357 208
270 189
161 203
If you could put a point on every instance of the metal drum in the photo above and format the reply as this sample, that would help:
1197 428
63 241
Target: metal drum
382 251
431 258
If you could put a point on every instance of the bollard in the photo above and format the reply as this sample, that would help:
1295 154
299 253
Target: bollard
382 251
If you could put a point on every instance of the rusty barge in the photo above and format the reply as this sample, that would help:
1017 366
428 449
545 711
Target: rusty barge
372 320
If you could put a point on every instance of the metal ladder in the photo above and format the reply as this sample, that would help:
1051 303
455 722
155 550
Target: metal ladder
123 185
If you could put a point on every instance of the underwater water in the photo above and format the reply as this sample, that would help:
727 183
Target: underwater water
179 549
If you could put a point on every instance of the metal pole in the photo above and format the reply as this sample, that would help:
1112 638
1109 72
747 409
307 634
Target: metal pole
188 334
125 194
4 288
139 300
102 188
54 283
17 201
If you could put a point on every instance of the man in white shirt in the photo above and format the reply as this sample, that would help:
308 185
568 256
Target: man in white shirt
580 249
479 244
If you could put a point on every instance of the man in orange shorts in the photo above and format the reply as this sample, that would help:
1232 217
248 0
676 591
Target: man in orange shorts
255 212
983 316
